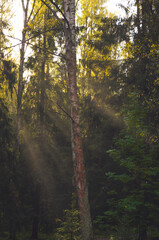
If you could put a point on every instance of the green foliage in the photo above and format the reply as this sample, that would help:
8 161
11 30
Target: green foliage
118 70
9 73
8 191
138 175
69 227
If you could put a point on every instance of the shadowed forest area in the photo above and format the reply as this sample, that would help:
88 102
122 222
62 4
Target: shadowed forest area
79 121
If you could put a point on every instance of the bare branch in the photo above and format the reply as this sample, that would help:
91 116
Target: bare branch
15 91
65 112
27 6
18 44
37 13
77 3
13 37
23 6
59 10
28 39
31 11
37 47
15 45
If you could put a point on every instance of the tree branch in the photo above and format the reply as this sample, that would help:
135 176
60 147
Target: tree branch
23 6
27 5
59 10
15 91
65 112
37 13
31 11
18 44
49 30
45 50
54 13
77 2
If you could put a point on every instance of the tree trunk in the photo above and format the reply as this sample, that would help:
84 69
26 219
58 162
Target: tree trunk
144 17
42 79
12 230
21 65
77 151
36 206
142 232
13 208
21 68
20 84
138 16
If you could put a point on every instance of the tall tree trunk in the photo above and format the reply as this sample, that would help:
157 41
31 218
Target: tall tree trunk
21 67
138 16
36 217
42 76
144 17
42 79
20 84
13 217
25 7
77 151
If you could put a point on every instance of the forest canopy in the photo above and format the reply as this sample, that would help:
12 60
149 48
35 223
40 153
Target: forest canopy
79 120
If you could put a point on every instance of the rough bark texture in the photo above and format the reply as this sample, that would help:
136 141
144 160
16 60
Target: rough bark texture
77 151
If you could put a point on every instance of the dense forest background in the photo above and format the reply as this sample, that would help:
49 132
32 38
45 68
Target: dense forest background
118 92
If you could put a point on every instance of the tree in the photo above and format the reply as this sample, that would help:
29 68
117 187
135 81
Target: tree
45 122
136 149
77 151
70 226
25 7
92 67
138 173
8 75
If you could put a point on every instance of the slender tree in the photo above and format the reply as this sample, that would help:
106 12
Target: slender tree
25 7
77 151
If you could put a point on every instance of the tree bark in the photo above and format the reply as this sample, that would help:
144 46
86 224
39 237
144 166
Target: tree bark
42 79
42 76
21 65
77 151
138 16
20 84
